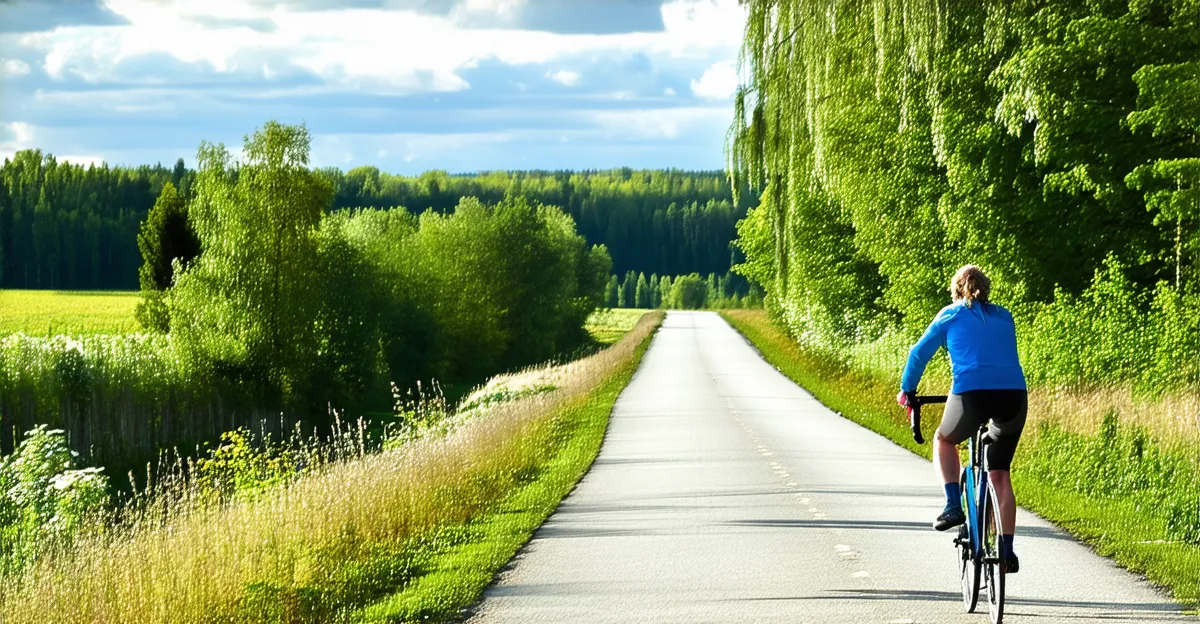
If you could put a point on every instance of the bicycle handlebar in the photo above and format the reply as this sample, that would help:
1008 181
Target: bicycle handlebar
914 414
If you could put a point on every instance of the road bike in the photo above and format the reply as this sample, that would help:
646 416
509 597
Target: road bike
978 540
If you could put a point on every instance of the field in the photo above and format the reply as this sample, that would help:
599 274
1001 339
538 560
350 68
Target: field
74 313
1109 482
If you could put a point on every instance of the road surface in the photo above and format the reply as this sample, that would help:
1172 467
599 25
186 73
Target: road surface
726 493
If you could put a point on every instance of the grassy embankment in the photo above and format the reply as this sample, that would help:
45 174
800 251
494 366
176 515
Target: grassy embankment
410 534
1120 489
73 313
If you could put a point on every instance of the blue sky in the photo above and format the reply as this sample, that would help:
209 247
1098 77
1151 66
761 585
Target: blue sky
406 85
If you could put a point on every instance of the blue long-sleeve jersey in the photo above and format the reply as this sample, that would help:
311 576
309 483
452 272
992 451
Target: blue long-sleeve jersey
982 342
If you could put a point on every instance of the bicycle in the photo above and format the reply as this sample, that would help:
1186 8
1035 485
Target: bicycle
977 541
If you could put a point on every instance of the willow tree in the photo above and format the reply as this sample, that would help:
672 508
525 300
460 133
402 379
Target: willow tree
897 139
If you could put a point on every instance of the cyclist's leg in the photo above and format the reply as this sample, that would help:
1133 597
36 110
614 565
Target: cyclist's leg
957 425
1007 412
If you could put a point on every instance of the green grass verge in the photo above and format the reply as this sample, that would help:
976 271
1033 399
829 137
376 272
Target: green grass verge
1123 516
50 312
607 325
457 567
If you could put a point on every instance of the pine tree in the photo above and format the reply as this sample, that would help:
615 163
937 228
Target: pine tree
165 237
612 293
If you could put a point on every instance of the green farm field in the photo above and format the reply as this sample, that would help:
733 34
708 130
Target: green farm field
70 312
79 312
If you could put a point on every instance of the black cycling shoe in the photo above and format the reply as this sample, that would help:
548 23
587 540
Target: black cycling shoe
949 519
1011 565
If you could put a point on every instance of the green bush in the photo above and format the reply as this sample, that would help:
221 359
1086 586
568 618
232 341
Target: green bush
44 499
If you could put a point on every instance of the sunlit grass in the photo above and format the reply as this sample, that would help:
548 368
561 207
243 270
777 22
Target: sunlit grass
1059 471
607 325
352 541
72 313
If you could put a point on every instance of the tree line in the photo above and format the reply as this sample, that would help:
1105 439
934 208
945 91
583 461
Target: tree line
685 292
1054 143
290 309
67 226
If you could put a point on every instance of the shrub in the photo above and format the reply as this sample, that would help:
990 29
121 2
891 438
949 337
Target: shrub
44 499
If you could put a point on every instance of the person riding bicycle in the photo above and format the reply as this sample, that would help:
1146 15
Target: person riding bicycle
988 385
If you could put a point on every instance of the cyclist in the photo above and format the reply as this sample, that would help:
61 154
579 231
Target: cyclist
988 385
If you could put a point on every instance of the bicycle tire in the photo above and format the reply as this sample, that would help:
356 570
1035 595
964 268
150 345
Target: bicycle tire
993 568
968 566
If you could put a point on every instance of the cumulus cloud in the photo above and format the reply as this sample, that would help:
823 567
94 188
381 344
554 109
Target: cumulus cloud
487 79
564 77
402 50
14 137
718 82
13 67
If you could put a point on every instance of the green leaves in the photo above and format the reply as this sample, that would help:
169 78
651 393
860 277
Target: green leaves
1031 138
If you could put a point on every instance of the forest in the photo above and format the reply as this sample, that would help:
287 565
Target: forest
65 226
1055 144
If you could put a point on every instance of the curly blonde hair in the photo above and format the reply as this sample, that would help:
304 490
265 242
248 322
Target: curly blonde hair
970 284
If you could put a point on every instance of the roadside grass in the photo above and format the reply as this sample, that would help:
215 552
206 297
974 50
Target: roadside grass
1116 487
413 533
67 312
607 325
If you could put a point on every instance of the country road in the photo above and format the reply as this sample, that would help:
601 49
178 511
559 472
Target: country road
726 493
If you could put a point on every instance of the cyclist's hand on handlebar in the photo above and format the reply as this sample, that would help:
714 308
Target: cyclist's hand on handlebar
902 399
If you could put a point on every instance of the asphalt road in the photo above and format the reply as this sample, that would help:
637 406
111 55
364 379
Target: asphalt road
726 493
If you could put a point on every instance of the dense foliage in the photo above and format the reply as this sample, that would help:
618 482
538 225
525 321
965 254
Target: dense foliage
73 227
1053 143
289 309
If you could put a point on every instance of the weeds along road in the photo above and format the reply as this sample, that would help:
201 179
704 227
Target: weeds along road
725 493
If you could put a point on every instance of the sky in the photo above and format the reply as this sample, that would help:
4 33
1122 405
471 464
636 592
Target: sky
404 85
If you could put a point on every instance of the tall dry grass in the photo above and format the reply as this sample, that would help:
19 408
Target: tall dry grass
318 546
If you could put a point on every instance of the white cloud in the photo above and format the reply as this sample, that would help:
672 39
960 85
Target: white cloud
718 82
393 51
669 92
14 137
564 77
14 67
472 11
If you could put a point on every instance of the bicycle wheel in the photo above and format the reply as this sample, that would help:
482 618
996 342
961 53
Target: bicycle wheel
968 566
993 571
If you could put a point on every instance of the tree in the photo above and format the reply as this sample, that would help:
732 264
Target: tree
166 240
642 292
689 292
45 241
247 304
611 293
1170 107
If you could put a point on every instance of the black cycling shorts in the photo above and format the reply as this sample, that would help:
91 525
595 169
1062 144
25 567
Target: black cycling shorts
1005 411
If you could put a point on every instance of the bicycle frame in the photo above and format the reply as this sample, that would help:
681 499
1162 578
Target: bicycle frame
976 494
